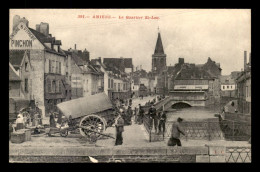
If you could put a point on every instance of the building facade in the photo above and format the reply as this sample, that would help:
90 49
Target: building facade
47 63
244 87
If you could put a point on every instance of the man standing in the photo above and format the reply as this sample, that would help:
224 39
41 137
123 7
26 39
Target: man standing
38 114
176 131
119 124
141 115
153 117
162 121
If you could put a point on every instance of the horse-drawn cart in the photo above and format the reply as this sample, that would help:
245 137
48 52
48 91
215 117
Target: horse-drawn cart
91 115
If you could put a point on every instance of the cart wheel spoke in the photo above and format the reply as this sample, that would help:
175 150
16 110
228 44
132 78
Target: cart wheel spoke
94 123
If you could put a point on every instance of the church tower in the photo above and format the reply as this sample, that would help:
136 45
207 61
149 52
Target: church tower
158 58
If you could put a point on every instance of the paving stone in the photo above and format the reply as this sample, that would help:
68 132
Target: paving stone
202 158
218 158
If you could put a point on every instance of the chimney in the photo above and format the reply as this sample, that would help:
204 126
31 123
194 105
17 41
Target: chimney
140 67
16 21
245 60
38 27
75 46
181 60
25 21
43 28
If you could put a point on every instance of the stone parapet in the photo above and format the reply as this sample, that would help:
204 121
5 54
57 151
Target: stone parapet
200 154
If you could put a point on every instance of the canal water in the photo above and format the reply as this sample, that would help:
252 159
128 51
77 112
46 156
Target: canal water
192 113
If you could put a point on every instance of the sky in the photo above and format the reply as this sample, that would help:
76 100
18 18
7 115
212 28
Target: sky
192 34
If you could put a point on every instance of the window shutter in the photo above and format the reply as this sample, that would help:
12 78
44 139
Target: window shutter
58 86
59 67
49 85
49 66
60 83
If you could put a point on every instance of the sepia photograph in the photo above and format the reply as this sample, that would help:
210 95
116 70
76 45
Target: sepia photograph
130 85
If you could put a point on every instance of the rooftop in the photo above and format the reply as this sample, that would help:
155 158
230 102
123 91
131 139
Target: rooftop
16 57
12 74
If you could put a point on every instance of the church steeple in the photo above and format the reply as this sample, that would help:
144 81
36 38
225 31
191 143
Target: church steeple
159 46
158 58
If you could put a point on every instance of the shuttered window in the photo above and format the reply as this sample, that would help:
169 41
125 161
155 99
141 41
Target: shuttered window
53 85
53 66
108 83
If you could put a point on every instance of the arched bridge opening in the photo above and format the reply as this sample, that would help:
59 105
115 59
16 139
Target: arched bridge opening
180 105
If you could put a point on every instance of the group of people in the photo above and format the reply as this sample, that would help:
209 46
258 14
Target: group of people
157 119
29 117
138 115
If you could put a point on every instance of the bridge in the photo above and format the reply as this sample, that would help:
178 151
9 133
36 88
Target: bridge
179 99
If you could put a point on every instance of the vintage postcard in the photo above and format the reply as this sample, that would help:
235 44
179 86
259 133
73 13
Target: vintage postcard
130 85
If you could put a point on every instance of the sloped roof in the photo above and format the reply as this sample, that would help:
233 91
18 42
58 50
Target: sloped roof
117 62
192 72
77 59
44 39
159 46
226 79
16 57
128 62
142 87
12 75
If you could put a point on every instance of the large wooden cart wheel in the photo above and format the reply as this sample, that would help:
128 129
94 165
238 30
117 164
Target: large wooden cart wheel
93 125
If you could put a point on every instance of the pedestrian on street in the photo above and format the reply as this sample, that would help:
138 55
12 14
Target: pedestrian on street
119 124
175 133
136 112
38 111
59 121
141 115
52 120
153 118
129 115
162 120
19 121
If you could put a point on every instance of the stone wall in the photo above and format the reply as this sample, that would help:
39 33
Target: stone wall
37 77
199 154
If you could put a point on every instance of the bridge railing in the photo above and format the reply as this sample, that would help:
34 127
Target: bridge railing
202 130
